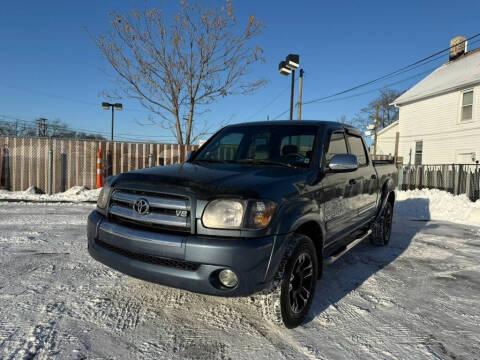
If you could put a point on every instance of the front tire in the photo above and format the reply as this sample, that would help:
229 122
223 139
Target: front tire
382 228
288 303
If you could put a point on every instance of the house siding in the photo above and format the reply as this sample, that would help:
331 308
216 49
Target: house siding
386 140
436 122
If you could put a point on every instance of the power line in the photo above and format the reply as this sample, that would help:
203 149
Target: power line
377 89
393 73
433 57
270 102
365 92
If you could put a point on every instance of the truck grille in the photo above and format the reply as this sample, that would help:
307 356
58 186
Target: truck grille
177 264
164 211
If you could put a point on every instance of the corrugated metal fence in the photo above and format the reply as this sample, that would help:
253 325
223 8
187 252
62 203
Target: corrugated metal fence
454 178
24 161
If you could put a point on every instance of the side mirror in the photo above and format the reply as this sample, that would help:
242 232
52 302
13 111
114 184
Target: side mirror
343 163
190 154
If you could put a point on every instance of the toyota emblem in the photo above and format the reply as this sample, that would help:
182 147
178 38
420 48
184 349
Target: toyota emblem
141 206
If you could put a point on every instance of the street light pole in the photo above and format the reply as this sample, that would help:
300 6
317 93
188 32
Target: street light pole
106 106
286 68
292 91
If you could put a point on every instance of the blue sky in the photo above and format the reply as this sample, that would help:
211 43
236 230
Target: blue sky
49 67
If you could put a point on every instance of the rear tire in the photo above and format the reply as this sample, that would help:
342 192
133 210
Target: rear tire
382 228
289 300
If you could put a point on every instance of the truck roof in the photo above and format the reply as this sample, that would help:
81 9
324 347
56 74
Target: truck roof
323 123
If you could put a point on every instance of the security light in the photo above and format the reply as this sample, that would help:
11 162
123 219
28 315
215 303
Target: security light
105 105
118 106
293 61
283 69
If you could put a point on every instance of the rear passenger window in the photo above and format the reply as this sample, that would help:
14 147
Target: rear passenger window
357 148
337 146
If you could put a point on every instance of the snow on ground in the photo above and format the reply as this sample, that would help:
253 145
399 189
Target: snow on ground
417 298
74 194
438 205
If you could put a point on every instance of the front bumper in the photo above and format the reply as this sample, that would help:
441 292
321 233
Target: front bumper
182 261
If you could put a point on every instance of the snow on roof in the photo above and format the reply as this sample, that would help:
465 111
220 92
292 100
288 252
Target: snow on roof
453 75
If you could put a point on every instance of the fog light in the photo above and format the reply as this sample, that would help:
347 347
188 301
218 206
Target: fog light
228 278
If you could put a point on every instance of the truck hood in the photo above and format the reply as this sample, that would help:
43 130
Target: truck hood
216 180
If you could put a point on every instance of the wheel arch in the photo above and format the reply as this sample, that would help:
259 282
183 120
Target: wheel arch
316 233
387 194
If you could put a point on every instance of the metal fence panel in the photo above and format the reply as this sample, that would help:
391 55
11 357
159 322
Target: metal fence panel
454 178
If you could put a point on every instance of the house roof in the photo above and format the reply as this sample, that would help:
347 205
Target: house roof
451 76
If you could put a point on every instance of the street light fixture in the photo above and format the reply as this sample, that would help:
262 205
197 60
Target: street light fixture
115 106
283 69
287 67
293 61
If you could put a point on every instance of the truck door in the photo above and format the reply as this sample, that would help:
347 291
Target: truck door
339 209
363 181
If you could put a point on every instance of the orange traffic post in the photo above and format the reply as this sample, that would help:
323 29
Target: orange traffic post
99 169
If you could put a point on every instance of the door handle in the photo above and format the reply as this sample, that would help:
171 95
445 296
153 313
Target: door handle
352 182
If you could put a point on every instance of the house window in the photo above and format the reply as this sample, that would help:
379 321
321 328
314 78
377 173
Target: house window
467 105
418 152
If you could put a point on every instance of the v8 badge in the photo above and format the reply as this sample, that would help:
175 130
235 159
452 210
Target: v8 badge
182 213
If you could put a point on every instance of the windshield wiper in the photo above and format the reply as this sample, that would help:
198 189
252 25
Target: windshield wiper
210 160
263 162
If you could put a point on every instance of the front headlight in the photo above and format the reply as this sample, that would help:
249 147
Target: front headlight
224 214
238 214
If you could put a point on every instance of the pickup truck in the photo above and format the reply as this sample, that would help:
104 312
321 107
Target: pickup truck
257 210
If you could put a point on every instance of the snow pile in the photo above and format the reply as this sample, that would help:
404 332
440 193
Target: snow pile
437 205
74 194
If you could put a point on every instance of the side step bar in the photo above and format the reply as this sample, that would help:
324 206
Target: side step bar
331 259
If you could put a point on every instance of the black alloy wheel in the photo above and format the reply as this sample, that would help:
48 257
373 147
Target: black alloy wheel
301 283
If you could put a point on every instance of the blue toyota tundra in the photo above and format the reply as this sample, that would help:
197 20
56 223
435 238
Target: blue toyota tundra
259 209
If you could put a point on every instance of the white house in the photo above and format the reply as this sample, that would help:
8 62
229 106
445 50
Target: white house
439 118
386 139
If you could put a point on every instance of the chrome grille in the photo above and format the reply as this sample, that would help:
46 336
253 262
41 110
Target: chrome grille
165 210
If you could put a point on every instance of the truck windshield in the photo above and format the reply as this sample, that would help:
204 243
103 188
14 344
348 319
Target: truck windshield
264 145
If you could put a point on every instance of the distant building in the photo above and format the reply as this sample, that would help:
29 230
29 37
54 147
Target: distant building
439 118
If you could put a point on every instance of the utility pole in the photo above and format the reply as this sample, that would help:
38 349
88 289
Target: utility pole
292 94
300 90
42 127
375 129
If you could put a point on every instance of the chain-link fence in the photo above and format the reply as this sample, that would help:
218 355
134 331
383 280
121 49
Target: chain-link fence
26 162
454 178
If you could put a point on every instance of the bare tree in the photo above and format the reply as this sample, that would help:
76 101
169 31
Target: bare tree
387 113
173 67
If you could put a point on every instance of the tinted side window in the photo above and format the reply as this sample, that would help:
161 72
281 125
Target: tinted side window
357 148
337 146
